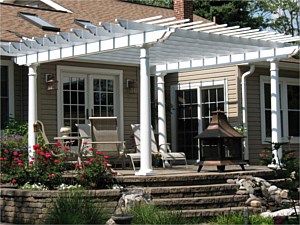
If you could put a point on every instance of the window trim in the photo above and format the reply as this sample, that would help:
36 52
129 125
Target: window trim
199 86
119 99
11 85
284 81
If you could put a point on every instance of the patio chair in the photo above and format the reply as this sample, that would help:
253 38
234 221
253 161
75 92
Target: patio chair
40 127
105 138
168 156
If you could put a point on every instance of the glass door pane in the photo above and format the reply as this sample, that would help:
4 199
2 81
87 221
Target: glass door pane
74 101
102 96
187 122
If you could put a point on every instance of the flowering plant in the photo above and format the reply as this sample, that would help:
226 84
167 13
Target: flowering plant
95 171
46 167
265 157
10 145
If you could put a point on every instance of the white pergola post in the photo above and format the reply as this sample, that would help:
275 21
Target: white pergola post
275 111
161 112
145 113
32 108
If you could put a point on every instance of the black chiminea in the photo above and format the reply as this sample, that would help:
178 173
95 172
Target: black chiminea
220 144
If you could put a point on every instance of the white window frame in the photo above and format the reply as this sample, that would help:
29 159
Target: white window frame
118 77
199 86
11 85
284 81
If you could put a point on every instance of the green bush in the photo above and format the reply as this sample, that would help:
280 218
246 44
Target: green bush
238 218
76 207
151 214
15 127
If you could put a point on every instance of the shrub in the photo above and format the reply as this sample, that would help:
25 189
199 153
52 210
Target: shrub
46 167
76 207
151 214
10 145
15 127
95 172
265 157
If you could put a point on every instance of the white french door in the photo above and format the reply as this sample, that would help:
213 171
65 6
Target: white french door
84 94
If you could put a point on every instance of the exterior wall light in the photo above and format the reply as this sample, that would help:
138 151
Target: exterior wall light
51 82
132 86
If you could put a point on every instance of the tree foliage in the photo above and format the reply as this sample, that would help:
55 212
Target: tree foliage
279 15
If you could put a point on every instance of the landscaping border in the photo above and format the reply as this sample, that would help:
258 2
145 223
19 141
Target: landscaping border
27 206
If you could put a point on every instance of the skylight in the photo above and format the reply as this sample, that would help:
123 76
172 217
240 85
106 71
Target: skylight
33 18
84 23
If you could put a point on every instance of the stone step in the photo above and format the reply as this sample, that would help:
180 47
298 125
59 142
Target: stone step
202 202
192 190
211 212
131 181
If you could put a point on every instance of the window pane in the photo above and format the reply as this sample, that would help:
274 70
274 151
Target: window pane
204 95
293 97
294 123
267 96
212 95
4 81
220 94
268 123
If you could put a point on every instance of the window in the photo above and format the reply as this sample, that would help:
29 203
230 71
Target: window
194 103
289 93
34 19
212 100
7 93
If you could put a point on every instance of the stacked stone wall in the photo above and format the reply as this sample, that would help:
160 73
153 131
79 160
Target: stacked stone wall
25 206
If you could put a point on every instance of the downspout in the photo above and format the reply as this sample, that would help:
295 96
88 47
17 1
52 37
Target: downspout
244 111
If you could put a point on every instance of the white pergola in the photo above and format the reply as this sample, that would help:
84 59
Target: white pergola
159 46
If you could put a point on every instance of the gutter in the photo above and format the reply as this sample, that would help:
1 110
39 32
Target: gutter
244 111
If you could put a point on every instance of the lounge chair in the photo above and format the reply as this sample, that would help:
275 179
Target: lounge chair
168 156
105 138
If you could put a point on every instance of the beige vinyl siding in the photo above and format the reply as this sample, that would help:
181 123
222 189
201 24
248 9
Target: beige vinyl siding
47 100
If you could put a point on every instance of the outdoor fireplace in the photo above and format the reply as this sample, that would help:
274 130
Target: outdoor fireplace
220 144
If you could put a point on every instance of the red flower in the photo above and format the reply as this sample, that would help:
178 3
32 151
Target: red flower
91 149
93 185
84 143
106 157
42 153
31 162
66 148
1 159
20 155
87 162
16 153
19 161
56 161
58 144
38 151
37 146
92 159
82 178
51 175
99 153
6 151
14 181
16 159
47 155
77 165
21 164
105 163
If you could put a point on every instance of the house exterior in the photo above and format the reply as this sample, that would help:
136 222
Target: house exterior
113 85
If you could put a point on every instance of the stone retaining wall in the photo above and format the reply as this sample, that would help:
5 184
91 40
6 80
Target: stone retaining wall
25 206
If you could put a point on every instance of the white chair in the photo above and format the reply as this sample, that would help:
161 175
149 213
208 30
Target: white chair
165 156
